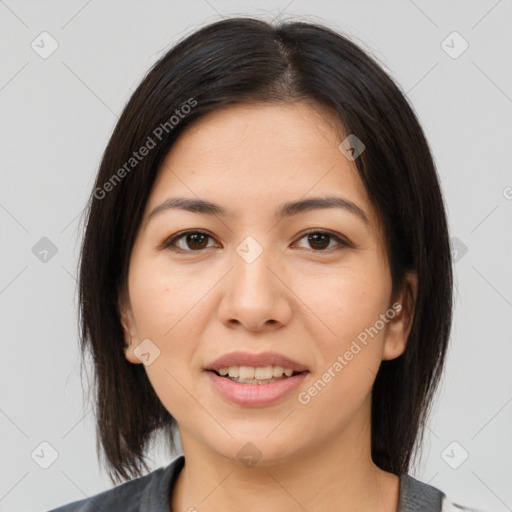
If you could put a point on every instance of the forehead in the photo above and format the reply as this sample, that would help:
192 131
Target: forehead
252 158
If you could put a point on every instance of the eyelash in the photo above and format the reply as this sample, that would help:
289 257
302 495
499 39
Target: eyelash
170 242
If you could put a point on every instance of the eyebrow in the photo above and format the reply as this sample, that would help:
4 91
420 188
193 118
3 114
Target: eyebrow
285 210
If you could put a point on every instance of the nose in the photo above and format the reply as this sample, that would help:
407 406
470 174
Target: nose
255 295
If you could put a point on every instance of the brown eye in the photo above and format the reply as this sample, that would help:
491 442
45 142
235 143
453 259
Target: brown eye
189 241
196 240
320 240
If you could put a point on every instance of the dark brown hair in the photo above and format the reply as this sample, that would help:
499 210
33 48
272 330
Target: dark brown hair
246 60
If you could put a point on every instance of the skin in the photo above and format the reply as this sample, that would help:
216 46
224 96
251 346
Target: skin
302 300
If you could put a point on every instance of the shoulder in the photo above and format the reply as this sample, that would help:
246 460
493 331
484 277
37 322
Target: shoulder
149 492
417 496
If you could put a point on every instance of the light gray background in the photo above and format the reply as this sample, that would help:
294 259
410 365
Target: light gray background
56 116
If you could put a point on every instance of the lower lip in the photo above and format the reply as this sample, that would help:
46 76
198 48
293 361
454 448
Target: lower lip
253 395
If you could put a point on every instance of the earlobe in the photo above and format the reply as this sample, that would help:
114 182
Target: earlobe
129 353
401 324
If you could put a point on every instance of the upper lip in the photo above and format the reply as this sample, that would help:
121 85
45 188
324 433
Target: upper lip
255 360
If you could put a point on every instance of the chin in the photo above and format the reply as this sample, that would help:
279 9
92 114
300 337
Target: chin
251 450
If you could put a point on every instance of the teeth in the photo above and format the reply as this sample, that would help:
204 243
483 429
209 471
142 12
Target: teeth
255 373
255 381
246 372
263 373
277 371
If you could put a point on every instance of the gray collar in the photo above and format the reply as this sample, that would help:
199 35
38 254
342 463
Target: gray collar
416 496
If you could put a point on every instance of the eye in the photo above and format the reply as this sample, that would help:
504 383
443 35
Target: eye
320 240
194 240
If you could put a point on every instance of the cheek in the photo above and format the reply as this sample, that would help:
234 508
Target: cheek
162 297
351 305
350 359
169 309
166 318
350 301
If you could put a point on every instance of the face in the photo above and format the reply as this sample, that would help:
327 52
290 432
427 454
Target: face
309 285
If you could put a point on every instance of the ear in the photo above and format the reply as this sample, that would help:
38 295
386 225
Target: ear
400 325
129 330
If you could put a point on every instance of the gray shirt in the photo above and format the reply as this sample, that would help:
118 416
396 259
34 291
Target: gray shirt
151 493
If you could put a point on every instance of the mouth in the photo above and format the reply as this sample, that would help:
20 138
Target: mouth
255 380
255 392
264 368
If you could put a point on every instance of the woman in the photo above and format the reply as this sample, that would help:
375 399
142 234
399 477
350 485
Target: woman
266 266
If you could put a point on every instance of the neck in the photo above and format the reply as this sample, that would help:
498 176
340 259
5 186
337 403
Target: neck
338 471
